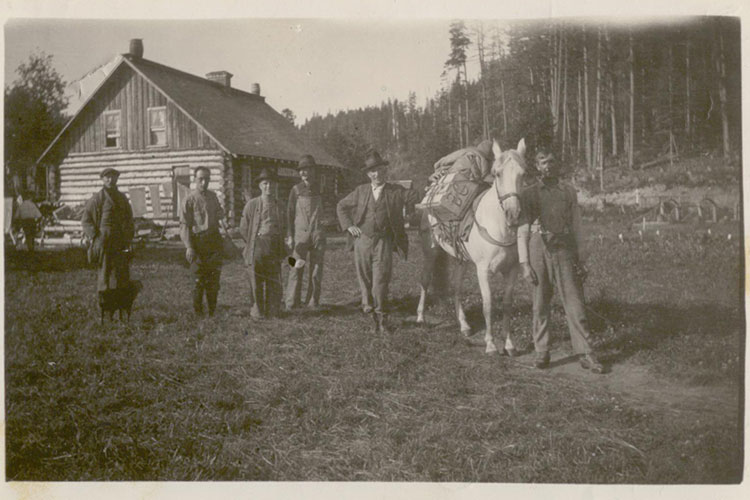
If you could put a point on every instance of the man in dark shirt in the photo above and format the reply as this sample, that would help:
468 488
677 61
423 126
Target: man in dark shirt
551 252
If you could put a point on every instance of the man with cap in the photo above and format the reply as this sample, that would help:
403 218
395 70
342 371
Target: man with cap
305 235
201 216
551 252
373 216
262 228
107 221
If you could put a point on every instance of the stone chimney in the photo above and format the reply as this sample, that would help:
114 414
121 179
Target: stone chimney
255 88
222 77
136 48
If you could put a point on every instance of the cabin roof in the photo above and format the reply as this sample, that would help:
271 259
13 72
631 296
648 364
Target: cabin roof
242 123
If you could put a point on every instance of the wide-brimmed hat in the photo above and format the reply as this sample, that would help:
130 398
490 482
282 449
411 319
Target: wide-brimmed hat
373 160
266 174
306 161
109 171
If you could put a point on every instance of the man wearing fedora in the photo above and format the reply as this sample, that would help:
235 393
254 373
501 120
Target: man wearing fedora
201 216
107 221
305 235
373 216
262 228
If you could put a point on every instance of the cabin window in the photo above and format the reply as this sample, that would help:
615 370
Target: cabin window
157 123
112 129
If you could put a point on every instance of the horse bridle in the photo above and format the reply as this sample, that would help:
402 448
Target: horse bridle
504 197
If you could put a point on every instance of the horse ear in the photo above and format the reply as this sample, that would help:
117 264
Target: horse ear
496 148
521 148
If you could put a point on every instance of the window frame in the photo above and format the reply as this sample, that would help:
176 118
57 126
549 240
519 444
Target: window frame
118 137
151 130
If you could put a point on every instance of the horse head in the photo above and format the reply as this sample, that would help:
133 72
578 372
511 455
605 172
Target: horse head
509 168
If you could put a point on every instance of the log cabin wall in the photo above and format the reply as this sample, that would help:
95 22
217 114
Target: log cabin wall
79 175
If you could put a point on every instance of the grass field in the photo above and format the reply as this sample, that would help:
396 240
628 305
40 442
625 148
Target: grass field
317 396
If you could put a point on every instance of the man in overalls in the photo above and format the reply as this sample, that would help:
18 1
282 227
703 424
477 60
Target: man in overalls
551 252
305 235
107 220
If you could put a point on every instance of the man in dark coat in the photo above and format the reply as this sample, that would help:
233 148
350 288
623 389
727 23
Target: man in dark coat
201 216
107 221
262 228
373 216
305 235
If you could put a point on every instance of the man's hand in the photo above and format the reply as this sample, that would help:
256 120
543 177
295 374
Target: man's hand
528 273
190 255
289 242
355 231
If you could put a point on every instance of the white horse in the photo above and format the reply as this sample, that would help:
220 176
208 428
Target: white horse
491 245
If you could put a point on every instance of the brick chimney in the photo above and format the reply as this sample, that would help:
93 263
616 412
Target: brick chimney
136 48
222 77
255 88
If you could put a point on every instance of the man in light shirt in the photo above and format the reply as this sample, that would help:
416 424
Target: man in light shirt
373 216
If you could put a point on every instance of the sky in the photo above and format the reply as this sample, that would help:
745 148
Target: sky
307 65
313 58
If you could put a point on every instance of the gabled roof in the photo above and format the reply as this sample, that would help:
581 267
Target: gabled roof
243 124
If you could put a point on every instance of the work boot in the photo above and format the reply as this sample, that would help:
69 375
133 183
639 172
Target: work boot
589 362
542 360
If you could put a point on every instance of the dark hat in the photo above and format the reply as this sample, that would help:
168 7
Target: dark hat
109 171
306 161
373 160
266 174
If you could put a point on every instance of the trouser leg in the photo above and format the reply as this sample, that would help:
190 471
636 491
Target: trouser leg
363 250
382 261
212 288
571 296
273 287
294 287
542 293
315 278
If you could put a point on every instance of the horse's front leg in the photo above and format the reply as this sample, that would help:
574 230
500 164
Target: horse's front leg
483 276
509 282
458 277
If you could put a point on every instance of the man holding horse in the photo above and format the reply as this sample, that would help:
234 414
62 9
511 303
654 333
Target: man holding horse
373 216
551 252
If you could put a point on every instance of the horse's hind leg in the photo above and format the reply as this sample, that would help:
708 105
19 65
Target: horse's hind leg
509 282
426 279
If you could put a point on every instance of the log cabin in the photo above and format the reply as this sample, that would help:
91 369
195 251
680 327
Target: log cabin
156 125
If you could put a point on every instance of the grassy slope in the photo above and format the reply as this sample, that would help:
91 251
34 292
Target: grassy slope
317 397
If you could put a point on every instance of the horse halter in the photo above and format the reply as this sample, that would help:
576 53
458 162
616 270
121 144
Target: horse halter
501 199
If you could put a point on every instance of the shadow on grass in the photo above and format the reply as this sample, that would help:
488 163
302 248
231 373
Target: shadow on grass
629 329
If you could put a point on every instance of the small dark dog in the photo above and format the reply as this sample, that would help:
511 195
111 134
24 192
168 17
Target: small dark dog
119 299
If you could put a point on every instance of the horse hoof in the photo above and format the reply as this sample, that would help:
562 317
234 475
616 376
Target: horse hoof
490 350
511 353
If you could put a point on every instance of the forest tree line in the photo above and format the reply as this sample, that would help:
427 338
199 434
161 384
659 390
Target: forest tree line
602 95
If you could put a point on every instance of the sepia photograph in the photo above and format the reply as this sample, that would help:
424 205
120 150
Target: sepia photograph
377 249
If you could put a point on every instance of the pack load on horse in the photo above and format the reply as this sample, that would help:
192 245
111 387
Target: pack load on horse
458 179
485 233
